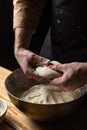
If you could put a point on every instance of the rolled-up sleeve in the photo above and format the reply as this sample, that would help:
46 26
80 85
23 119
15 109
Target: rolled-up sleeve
26 13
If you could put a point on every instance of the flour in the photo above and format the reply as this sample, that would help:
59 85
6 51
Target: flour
40 94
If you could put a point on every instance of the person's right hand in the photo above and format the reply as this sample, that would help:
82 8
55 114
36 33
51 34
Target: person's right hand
28 62
73 75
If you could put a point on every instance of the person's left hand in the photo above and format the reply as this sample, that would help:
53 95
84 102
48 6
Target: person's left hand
74 75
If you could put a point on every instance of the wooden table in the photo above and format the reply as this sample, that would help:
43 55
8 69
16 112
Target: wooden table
16 120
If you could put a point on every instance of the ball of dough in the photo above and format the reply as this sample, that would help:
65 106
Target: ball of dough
45 71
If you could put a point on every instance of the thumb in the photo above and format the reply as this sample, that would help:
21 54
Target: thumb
57 81
43 61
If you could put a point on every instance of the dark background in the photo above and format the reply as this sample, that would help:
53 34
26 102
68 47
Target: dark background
7 58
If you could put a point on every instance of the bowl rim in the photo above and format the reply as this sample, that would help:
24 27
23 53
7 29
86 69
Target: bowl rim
2 101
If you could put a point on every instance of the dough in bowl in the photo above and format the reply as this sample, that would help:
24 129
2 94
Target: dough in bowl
40 94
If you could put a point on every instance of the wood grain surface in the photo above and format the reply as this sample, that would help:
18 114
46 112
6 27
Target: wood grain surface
17 119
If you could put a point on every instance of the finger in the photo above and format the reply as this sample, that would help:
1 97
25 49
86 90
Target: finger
60 81
29 72
60 85
56 81
56 68
42 61
63 85
55 62
45 61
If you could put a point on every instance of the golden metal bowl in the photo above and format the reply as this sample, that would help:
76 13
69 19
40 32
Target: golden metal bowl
16 82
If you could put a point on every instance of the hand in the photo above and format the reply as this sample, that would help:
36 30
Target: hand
74 75
28 61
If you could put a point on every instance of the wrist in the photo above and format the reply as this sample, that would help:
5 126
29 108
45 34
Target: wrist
22 39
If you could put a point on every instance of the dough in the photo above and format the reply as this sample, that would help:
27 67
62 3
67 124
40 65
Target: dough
46 72
40 94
